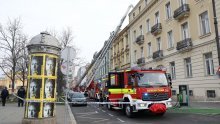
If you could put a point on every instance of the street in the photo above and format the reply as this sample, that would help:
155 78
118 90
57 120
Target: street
101 115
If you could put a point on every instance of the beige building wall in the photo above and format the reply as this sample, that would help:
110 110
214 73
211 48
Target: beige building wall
217 5
200 82
6 82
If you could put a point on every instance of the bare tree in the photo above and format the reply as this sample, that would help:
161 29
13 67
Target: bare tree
23 62
52 32
66 37
11 39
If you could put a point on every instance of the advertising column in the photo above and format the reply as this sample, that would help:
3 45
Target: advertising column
42 79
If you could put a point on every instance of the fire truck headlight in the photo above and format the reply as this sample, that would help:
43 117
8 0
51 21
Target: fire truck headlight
146 94
142 104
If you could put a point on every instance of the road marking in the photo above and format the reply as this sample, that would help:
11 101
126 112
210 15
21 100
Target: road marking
86 115
120 120
100 120
89 113
110 114
103 111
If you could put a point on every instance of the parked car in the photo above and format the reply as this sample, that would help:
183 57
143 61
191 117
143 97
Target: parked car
69 95
78 98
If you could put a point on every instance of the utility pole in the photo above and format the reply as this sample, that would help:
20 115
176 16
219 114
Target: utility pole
67 81
216 30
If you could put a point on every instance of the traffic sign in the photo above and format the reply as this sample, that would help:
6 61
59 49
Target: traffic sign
65 56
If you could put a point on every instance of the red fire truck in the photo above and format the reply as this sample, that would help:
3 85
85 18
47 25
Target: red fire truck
139 90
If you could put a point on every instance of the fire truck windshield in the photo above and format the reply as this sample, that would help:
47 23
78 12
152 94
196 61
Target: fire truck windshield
151 79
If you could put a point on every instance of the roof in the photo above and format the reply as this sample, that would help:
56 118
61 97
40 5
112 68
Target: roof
44 38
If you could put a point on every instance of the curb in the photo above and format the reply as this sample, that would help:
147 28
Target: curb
72 118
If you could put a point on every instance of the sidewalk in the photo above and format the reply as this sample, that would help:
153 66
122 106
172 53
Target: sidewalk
204 108
11 114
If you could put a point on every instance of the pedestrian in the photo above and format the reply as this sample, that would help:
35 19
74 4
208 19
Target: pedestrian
21 93
4 95
100 99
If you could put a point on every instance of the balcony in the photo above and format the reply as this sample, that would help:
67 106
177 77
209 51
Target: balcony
158 55
140 39
127 48
156 29
181 12
122 50
184 45
141 60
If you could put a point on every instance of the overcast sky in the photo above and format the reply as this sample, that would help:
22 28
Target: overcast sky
90 20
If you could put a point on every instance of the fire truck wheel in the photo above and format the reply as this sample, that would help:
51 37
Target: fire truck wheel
129 111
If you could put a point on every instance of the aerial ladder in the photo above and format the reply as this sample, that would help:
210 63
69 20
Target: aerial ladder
104 50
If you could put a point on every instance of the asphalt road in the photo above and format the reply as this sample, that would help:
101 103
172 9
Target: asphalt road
93 114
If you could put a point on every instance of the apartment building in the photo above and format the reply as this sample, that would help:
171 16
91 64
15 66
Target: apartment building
120 51
175 34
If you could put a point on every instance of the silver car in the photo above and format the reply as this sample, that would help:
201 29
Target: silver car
78 99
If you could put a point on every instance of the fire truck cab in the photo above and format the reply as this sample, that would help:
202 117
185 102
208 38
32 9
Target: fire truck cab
139 90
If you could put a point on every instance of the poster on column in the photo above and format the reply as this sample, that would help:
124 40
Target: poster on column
32 109
49 87
36 63
34 88
48 109
50 65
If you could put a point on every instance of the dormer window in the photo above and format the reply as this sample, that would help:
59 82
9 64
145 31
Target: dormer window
139 9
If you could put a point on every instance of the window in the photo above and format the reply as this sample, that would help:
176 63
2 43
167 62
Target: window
119 61
173 92
116 80
139 9
209 66
148 25
190 92
158 44
157 19
118 47
141 30
170 39
142 52
122 60
135 55
126 39
122 43
115 62
149 49
204 23
146 2
134 35
127 58
211 94
173 70
182 2
188 67
168 10
133 14
185 33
